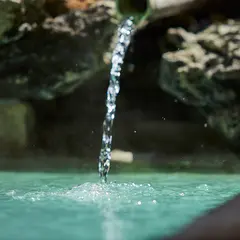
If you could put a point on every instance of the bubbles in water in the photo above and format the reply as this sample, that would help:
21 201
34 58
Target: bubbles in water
114 195
117 193
203 187
125 32
11 193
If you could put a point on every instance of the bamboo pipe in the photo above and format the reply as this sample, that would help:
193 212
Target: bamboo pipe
155 8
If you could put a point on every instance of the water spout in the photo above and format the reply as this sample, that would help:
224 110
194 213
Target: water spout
125 32
133 11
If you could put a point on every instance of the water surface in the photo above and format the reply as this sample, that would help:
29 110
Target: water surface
51 206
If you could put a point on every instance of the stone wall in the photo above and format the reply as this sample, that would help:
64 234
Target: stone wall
204 71
180 75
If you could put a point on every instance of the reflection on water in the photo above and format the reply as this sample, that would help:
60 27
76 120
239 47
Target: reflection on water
111 225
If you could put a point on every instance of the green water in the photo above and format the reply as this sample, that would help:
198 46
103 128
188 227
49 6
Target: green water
48 206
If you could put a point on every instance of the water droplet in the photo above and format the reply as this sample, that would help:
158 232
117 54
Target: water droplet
131 67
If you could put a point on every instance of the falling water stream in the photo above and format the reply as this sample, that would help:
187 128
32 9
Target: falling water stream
125 32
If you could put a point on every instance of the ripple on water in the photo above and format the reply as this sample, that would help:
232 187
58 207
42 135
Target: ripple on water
95 193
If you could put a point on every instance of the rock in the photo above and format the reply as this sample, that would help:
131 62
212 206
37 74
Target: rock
55 55
219 223
9 10
17 123
16 17
48 48
204 71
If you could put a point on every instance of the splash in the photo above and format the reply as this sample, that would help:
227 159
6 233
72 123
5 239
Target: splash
112 195
125 32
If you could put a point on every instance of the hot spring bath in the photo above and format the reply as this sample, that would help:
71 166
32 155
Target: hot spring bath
131 206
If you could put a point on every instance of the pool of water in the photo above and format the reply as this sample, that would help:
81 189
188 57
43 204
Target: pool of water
134 206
